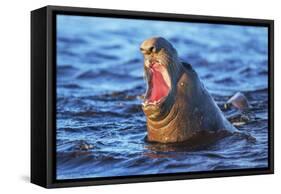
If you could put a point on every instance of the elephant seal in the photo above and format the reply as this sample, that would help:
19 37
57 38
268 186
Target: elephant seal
177 106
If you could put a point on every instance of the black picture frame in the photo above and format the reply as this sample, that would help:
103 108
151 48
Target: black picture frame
43 95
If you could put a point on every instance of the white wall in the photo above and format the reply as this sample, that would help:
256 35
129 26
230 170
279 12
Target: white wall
15 94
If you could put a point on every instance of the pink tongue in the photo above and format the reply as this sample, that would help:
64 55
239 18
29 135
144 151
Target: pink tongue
159 86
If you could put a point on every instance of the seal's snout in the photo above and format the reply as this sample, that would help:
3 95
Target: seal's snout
151 45
148 50
148 47
157 46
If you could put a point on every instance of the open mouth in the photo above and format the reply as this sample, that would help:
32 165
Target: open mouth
158 84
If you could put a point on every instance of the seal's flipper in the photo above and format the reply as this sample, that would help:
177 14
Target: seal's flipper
238 101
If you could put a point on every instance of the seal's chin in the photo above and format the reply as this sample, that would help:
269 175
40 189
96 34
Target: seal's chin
158 84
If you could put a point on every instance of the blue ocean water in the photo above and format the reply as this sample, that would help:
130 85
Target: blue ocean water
101 128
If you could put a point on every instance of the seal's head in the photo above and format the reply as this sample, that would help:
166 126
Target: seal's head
162 69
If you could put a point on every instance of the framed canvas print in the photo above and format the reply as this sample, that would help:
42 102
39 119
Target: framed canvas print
126 96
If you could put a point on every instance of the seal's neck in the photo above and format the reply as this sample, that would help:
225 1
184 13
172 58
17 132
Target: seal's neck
176 70
163 130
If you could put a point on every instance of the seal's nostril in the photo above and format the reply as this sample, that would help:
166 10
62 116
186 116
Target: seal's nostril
148 50
152 49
